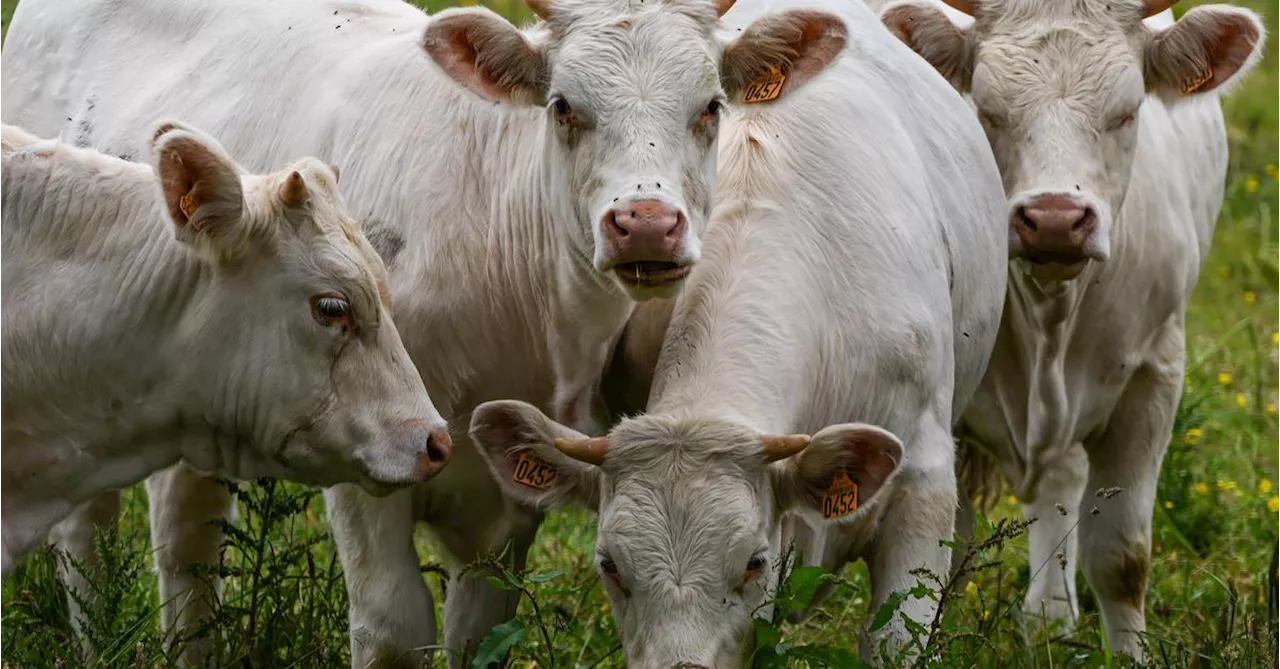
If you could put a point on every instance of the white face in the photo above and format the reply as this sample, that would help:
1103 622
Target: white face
293 346
687 545
1059 102
633 93
635 107
689 514
1059 88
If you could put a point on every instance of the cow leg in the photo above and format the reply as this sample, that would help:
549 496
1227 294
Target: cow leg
474 606
186 508
825 547
1051 598
75 536
919 515
1115 544
392 615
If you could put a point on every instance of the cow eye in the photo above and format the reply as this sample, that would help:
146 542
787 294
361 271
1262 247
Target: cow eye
608 566
713 110
1122 121
331 309
755 565
563 111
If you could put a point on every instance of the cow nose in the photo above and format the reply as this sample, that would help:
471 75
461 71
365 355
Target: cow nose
436 454
1054 228
644 230
689 665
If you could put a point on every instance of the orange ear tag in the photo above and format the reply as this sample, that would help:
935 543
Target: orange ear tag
533 471
841 498
766 87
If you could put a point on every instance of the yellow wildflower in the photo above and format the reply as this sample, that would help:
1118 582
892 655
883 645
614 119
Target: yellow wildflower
1250 297
1193 435
1275 338
1272 171
1168 504
971 589
1224 378
1241 400
1013 500
1251 185
1226 485
1273 504
1201 489
1264 486
1271 408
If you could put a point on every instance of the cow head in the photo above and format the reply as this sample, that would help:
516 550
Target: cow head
689 513
632 93
1059 87
291 345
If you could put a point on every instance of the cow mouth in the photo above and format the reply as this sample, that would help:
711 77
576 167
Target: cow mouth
1055 268
650 272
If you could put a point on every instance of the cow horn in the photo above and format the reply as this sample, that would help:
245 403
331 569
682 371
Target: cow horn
590 451
1153 7
965 6
780 447
723 6
540 7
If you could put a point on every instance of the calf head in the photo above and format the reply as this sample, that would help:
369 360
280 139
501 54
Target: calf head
689 513
633 93
1059 87
288 345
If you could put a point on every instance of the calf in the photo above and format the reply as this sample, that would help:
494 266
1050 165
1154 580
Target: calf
237 321
1111 145
524 188
851 278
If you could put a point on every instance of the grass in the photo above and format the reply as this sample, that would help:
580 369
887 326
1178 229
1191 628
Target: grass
1211 600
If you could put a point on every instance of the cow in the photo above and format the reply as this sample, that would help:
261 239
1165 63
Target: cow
525 189
1111 145
842 315
192 311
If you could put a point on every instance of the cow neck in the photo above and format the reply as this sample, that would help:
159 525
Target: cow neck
121 358
731 351
1046 315
550 277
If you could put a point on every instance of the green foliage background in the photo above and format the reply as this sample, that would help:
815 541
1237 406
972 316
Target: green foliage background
1211 600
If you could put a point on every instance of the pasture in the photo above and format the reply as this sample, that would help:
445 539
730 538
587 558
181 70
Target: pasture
1212 598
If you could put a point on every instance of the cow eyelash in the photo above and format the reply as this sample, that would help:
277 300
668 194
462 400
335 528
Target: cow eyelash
563 110
332 309
1123 121
712 110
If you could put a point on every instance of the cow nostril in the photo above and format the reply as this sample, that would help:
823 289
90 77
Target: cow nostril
677 229
612 225
1026 220
439 446
1084 220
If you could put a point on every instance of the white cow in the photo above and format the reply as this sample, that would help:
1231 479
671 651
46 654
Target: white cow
518 218
238 321
853 276
1111 144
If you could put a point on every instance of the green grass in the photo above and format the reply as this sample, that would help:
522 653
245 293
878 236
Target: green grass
1210 601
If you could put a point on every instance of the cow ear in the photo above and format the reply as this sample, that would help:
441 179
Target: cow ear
199 182
485 53
1208 48
519 443
932 35
778 53
839 472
